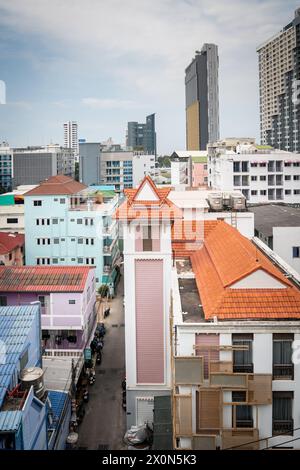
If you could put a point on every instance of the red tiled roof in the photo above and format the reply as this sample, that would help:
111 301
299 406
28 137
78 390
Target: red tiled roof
43 278
159 209
56 185
227 257
10 241
188 235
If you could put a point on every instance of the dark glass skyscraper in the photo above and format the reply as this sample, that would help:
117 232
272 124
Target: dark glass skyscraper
202 98
279 88
142 136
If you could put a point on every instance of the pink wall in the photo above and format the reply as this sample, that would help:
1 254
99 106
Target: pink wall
149 321
199 174
155 230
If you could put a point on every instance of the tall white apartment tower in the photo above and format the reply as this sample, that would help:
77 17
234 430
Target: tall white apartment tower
71 136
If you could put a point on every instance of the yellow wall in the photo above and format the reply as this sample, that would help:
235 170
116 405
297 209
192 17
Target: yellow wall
192 127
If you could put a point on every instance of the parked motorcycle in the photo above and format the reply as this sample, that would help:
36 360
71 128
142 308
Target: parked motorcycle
99 358
106 312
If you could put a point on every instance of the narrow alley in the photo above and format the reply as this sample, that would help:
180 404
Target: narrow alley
103 426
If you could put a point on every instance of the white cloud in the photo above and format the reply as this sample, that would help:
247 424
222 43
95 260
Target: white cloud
107 103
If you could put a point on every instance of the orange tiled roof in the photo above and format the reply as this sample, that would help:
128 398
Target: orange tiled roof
159 209
43 278
56 185
227 257
188 235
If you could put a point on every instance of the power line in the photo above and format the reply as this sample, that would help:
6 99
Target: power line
264 439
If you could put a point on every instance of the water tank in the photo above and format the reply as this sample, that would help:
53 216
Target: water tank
215 201
238 202
226 200
33 376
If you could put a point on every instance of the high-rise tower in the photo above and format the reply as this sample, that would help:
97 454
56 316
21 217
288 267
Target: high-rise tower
279 88
202 98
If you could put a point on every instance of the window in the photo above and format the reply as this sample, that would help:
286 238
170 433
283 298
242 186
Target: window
42 300
72 302
147 238
245 167
3 300
37 203
55 221
287 177
283 413
263 178
242 416
56 241
236 166
10 256
12 220
297 191
263 192
54 260
283 367
79 221
62 200
80 260
296 177
287 191
242 359
253 178
253 193
296 251
80 241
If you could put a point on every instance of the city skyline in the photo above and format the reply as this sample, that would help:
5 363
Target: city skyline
49 71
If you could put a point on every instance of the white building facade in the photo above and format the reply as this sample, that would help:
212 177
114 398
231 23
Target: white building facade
262 174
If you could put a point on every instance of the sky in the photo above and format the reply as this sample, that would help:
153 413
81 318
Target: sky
106 62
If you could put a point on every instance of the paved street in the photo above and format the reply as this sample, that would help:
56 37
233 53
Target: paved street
104 423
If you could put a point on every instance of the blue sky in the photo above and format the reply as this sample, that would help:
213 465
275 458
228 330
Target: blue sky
105 62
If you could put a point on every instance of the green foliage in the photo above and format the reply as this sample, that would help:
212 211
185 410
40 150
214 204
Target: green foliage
103 290
164 161
76 171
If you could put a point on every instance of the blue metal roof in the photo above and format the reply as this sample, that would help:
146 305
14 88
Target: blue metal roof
57 400
10 420
15 325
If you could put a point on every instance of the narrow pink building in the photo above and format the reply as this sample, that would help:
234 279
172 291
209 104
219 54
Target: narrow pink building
199 172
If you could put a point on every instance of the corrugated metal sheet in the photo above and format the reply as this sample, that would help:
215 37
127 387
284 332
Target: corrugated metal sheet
10 420
57 400
15 325
149 321
43 278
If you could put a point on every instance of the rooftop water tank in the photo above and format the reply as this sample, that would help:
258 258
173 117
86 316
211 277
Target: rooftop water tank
33 376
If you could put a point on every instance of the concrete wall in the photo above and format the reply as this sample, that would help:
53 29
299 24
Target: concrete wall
284 238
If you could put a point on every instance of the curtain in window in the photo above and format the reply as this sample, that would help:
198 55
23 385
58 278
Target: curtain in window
282 409
242 357
282 352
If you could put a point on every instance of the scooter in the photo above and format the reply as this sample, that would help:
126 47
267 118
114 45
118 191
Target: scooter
99 358
106 312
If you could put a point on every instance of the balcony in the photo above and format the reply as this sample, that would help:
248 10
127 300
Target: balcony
240 439
283 372
243 368
283 426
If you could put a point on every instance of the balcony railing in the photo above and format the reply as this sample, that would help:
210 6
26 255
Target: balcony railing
283 372
243 368
244 423
283 426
